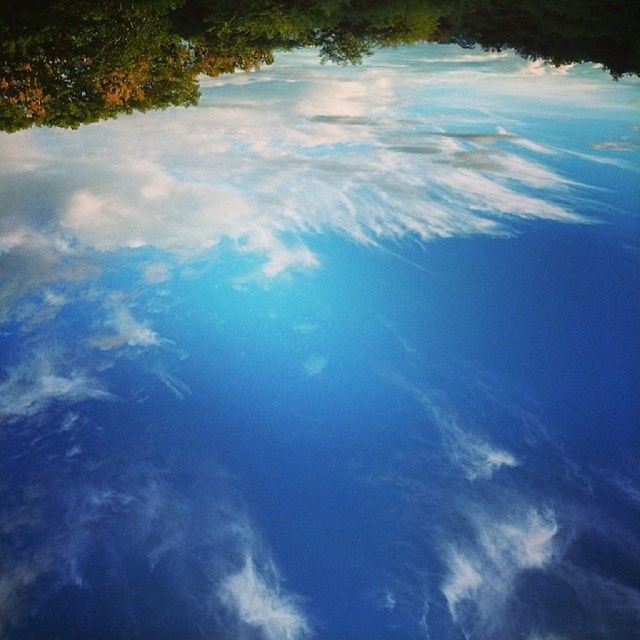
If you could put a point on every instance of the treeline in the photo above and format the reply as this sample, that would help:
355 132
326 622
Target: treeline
68 62
558 31
79 61
83 61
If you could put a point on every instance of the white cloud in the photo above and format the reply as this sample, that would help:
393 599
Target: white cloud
534 146
326 151
508 552
540 68
19 153
467 450
348 100
156 272
127 331
482 576
525 543
462 581
179 388
617 145
73 451
69 421
315 365
280 257
258 601
199 546
479 57
478 458
35 262
388 601
33 384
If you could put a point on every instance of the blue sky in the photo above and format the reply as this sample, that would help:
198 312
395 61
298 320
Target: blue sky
340 352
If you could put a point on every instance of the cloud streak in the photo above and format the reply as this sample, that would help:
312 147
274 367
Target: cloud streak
200 550
468 451
501 553
127 331
35 383
257 599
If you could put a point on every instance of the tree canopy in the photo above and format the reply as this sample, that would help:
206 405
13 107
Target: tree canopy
68 62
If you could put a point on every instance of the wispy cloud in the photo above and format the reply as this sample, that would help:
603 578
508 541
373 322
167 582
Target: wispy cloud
509 554
467 450
127 331
315 365
179 388
156 272
462 582
525 543
482 576
35 263
32 385
258 600
617 145
16 580
199 548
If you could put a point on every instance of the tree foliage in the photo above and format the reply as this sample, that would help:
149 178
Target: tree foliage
68 62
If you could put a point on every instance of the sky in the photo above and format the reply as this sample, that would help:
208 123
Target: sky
341 352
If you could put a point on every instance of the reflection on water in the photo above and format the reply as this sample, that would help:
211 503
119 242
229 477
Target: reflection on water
78 61
344 351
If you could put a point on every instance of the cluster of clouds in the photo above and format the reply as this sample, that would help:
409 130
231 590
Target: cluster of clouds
201 548
49 373
408 146
507 528
125 331
30 386
375 153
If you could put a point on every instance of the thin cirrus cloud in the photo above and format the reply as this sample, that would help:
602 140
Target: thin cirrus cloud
509 550
32 385
125 330
466 450
482 578
258 601
201 550
315 365
504 584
